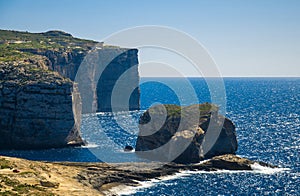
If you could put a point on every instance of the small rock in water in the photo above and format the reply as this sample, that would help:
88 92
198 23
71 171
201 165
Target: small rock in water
128 148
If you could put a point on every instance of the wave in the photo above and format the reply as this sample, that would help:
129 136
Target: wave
129 190
90 145
257 168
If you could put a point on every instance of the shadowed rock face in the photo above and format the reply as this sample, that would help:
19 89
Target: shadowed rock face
36 109
105 67
188 134
124 63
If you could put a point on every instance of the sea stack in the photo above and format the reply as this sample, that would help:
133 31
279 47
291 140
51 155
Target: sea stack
178 134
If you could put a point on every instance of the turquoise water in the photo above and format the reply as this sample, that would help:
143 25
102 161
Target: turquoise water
267 116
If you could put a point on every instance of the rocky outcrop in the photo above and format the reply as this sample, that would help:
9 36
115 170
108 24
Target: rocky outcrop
187 135
38 108
100 176
42 178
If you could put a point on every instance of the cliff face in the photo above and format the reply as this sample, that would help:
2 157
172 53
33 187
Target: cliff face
106 66
65 62
40 104
124 63
36 109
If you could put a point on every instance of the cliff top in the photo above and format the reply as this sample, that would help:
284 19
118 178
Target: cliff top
26 73
175 110
23 59
16 45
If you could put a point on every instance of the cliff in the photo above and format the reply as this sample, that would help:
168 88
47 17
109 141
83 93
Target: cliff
61 52
39 99
37 106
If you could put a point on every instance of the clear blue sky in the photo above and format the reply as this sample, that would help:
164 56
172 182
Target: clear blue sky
246 38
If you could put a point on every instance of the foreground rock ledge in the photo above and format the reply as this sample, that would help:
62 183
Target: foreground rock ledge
19 176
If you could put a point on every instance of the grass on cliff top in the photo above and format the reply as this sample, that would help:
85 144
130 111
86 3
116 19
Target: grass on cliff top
15 45
24 74
175 110
5 164
10 186
55 36
12 43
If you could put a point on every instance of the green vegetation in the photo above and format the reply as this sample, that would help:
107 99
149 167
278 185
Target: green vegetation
18 188
175 110
4 164
15 45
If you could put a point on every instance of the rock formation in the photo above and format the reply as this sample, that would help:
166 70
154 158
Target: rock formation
181 137
40 104
36 106
125 62
60 178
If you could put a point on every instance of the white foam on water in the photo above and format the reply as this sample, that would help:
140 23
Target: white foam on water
90 145
201 162
129 190
257 168
131 151
120 190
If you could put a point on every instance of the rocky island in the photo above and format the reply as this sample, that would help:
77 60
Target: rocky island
182 135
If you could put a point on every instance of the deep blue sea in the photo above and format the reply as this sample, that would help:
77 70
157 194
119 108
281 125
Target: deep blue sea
266 112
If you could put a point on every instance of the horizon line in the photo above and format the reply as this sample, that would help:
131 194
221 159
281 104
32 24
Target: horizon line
220 77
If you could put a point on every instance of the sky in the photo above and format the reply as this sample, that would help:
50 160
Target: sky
245 38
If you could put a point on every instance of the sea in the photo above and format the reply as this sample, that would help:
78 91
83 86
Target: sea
266 112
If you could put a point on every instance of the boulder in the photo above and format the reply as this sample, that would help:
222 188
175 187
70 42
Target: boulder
229 162
185 134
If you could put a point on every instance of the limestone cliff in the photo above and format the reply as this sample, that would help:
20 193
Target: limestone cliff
105 66
39 99
36 109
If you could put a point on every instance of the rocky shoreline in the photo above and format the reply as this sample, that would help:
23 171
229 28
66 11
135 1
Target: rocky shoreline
19 176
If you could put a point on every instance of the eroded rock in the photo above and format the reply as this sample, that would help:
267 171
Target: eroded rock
187 135
38 108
